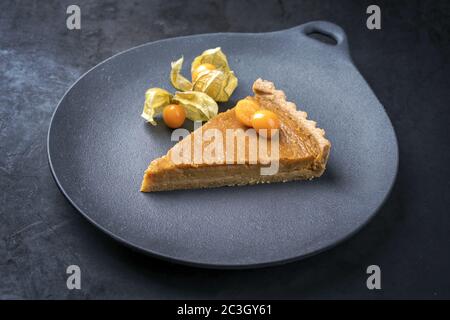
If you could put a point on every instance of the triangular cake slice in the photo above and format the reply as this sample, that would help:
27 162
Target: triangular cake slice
302 151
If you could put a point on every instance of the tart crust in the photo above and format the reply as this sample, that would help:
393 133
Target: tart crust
303 151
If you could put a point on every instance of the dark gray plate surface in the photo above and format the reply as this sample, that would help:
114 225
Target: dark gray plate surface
99 147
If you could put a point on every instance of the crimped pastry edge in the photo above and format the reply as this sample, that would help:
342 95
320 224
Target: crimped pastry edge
266 90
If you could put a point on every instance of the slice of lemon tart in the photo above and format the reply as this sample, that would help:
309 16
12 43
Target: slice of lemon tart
225 151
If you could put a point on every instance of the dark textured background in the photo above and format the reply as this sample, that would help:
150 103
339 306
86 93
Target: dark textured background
406 63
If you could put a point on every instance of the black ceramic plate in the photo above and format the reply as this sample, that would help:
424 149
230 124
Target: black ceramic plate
99 147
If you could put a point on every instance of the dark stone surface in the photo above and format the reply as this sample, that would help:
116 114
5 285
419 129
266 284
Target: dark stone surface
406 63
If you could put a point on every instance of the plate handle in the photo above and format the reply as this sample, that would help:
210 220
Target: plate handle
328 29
